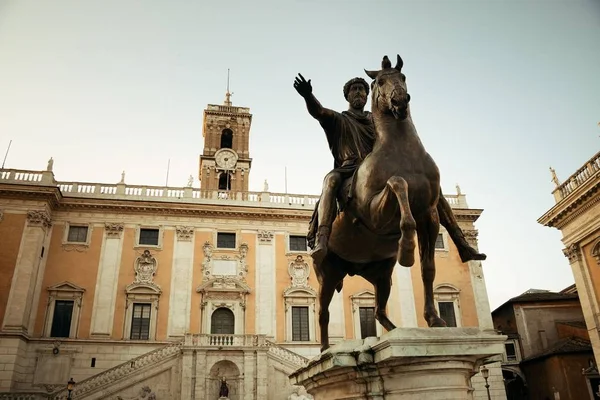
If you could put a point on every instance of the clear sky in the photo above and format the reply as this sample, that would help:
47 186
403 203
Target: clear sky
501 90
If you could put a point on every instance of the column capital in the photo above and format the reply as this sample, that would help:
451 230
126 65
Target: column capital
113 230
38 218
471 236
573 253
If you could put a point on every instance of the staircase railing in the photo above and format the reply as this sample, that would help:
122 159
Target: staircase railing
286 354
119 371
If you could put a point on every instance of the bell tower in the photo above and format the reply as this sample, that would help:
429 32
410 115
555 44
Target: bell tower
225 160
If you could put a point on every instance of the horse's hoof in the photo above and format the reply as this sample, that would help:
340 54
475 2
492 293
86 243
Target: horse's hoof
471 255
406 257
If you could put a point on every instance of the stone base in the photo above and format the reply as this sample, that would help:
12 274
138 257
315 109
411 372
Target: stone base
223 398
406 363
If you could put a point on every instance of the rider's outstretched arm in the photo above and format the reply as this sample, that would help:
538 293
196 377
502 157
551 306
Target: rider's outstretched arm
317 111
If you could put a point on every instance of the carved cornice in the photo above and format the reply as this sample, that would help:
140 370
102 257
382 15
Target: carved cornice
265 236
38 218
573 253
571 207
185 233
113 230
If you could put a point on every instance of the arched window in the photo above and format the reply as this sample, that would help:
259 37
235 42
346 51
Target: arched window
222 321
225 181
226 139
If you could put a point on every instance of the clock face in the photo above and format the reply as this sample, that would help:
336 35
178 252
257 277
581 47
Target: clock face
226 158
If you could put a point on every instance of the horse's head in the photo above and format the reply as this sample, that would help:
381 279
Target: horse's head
389 89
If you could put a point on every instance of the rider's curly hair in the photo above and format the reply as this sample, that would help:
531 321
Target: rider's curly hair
352 82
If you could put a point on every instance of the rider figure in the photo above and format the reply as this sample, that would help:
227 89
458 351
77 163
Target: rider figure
351 135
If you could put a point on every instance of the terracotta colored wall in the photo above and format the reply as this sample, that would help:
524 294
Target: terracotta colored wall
11 232
565 331
79 268
282 281
164 258
593 268
449 269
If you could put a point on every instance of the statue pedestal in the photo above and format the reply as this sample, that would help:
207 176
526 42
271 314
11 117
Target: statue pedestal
223 398
406 363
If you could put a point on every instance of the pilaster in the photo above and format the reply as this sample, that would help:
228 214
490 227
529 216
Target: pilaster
30 260
265 284
406 296
586 294
106 282
482 302
181 282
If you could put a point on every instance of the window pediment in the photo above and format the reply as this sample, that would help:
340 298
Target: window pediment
365 294
149 288
300 292
66 287
224 284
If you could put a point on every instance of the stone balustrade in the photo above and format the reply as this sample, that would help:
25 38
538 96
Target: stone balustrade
588 171
286 354
222 340
122 191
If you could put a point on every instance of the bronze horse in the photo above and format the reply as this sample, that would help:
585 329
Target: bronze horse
397 188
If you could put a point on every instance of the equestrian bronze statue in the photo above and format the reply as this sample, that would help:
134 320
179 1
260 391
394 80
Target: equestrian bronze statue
387 188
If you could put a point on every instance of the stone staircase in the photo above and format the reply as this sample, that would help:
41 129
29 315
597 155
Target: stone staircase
123 377
121 371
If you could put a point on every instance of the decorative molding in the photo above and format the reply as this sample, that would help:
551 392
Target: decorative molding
265 236
210 255
299 271
113 230
573 253
145 268
185 233
38 218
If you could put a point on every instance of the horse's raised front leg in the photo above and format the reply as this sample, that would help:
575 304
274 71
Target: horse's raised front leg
427 230
329 275
406 252
381 278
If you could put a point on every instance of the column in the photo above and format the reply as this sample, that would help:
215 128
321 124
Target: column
482 302
265 285
181 282
106 281
25 277
587 297
406 296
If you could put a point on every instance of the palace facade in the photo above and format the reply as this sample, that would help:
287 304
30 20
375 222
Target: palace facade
577 215
138 290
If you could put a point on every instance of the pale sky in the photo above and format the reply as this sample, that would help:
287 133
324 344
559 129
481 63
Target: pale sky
501 91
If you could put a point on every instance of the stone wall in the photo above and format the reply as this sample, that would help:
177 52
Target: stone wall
495 380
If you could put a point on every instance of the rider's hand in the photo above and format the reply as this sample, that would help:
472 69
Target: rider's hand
303 87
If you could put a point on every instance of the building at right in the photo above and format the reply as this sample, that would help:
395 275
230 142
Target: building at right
577 215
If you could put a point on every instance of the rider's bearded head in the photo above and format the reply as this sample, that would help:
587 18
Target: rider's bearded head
356 99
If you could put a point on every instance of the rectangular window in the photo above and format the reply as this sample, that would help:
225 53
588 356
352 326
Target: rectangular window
140 322
61 320
439 242
77 234
367 322
300 324
511 351
225 240
297 243
149 236
447 313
